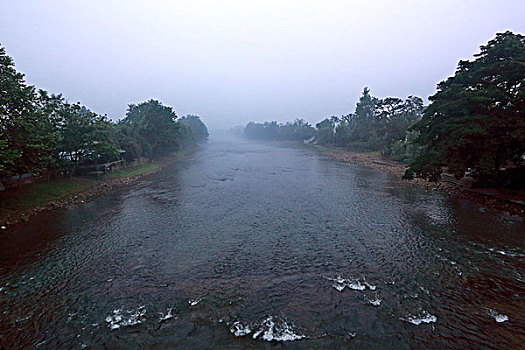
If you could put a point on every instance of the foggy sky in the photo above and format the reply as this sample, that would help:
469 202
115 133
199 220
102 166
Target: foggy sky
239 61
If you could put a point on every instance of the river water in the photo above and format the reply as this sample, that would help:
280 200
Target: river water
257 245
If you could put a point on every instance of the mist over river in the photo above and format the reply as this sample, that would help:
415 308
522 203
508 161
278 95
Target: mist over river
263 245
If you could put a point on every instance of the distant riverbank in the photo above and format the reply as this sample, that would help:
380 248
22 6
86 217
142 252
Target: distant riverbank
376 161
19 205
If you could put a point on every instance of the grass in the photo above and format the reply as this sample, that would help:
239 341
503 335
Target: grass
134 171
18 200
342 150
325 149
34 195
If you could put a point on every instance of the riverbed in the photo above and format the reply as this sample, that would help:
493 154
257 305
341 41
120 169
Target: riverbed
253 245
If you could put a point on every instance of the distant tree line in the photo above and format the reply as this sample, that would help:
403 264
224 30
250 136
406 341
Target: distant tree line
474 125
299 130
43 134
376 125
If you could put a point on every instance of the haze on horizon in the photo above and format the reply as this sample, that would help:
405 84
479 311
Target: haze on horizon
235 62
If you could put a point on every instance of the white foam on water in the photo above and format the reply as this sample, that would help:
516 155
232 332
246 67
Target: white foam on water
376 301
355 285
422 317
166 316
195 302
339 287
123 319
498 317
240 329
279 332
424 290
341 283
371 287
268 330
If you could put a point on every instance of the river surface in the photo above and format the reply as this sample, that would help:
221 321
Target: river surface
264 245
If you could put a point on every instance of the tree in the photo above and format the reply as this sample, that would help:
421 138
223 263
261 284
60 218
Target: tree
299 130
26 137
199 128
185 135
476 120
377 123
84 136
154 124
393 118
325 131
363 120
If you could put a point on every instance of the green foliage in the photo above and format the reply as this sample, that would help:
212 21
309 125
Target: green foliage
134 171
377 124
84 136
150 129
299 130
154 125
476 120
36 194
185 136
42 133
363 122
343 133
26 135
199 128
325 134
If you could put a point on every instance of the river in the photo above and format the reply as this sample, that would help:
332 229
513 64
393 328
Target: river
253 245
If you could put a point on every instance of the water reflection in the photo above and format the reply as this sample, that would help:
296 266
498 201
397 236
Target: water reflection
250 244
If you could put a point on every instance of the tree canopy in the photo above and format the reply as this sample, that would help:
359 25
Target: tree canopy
199 128
41 133
299 130
377 124
476 121
26 136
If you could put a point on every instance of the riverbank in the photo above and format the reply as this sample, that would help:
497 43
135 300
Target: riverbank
490 198
19 205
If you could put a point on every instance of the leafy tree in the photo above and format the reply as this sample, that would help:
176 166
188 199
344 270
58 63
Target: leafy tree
41 132
199 128
185 135
299 130
376 123
326 131
84 136
476 118
363 122
27 140
393 118
155 126
128 139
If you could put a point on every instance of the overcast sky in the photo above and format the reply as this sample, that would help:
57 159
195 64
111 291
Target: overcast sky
234 62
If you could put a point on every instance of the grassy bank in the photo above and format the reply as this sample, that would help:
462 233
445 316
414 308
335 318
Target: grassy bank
16 204
134 171
370 159
29 196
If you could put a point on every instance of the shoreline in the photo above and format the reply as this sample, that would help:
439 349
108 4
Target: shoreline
380 163
107 183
